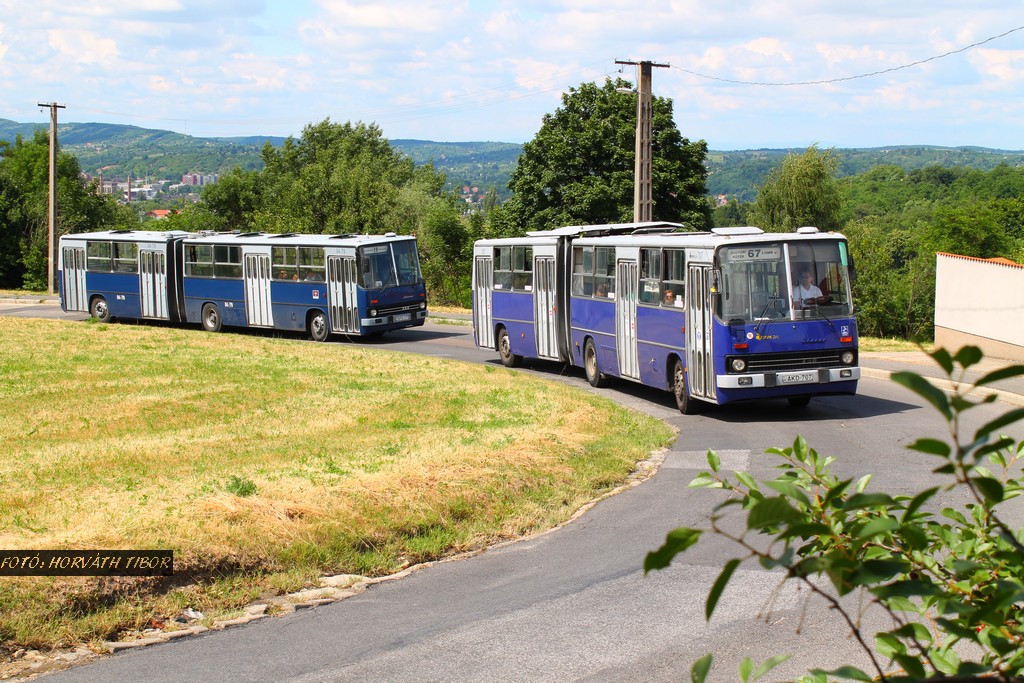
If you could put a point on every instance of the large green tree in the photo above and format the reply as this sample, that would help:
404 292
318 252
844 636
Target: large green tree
339 178
24 202
579 168
801 191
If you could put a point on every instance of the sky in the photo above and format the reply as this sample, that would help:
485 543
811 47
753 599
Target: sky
741 74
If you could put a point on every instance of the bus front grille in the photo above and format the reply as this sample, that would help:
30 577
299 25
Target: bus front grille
785 362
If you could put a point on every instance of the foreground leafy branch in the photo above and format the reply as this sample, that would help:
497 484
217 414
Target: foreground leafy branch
951 582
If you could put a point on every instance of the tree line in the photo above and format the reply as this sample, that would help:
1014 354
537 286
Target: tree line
348 178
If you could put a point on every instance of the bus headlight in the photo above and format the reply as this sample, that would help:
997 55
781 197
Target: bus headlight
738 364
373 312
423 304
847 358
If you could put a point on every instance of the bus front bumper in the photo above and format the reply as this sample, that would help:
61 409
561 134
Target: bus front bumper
786 379
403 319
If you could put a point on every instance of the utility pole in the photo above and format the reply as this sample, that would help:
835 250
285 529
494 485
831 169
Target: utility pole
51 258
642 185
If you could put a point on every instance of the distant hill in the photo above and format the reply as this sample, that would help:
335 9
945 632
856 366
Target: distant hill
738 174
114 150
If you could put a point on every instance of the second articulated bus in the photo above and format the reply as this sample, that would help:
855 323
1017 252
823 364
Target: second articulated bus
323 284
714 317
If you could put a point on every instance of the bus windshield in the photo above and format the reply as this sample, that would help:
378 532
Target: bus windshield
388 265
788 280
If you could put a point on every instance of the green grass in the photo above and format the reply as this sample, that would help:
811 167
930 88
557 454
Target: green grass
265 463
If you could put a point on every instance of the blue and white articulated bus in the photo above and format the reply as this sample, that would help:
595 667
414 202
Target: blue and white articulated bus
714 317
360 285
346 284
122 274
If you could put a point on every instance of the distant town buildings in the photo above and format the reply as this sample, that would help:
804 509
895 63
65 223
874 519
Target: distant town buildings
133 190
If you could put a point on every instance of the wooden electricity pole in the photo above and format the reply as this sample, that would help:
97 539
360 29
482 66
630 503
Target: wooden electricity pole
51 258
642 186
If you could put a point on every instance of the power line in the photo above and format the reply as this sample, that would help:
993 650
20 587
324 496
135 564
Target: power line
858 76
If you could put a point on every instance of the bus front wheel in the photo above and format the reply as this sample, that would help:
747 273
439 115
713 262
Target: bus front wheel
211 318
318 328
508 359
100 310
594 374
686 404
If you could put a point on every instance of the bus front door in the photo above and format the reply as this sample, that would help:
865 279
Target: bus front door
483 321
153 284
626 284
75 296
258 309
545 307
342 290
700 368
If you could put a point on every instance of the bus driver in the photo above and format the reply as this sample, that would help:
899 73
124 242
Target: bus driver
805 292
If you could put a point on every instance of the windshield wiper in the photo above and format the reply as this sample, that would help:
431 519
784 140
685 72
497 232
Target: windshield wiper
771 300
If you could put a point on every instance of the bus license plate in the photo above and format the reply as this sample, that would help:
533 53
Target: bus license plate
402 317
797 377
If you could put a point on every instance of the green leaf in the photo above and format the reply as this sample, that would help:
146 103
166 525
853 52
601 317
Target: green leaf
926 390
677 541
746 667
771 512
704 480
720 583
876 527
990 488
849 672
747 481
789 489
931 447
714 462
868 500
919 500
889 645
942 357
700 669
1000 374
863 482
968 356
912 665
769 664
1000 422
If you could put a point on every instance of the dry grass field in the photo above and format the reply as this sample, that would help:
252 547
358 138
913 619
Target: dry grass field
265 463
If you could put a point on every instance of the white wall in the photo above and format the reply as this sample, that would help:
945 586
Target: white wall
979 302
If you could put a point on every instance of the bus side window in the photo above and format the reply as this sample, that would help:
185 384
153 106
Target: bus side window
650 275
675 276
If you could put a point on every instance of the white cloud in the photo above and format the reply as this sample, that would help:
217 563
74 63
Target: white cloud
83 47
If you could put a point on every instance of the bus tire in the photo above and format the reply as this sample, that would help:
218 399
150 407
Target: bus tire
591 367
798 402
687 404
318 328
508 359
99 309
211 318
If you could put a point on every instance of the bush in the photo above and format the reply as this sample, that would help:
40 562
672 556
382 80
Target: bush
946 580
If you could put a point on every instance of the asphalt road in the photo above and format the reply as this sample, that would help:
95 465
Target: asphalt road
573 604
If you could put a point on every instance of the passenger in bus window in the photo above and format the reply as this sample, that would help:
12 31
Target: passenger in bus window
602 290
670 297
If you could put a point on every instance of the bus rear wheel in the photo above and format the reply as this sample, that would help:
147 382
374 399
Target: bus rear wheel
318 328
508 359
100 310
590 366
211 318
686 404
